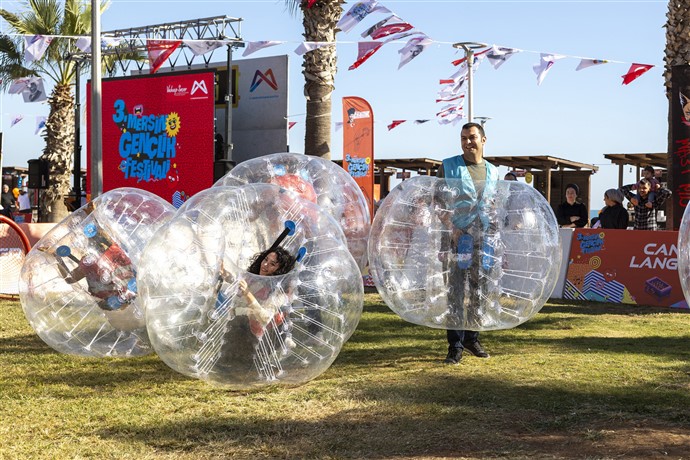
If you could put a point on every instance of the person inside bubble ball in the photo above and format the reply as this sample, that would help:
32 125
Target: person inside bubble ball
109 273
470 222
258 309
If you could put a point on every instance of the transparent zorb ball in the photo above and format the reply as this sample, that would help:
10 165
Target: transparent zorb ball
319 181
78 286
448 258
194 284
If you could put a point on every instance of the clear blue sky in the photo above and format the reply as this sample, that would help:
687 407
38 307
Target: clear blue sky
579 116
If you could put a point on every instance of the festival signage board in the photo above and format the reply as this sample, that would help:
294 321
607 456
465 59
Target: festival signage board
679 141
158 133
358 145
625 266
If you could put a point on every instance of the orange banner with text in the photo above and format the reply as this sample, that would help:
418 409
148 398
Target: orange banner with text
625 266
358 145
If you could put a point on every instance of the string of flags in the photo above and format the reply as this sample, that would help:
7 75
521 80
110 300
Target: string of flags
390 29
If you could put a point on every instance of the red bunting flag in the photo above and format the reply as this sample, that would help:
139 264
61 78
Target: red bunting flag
395 123
159 51
635 71
365 51
291 124
389 26
310 3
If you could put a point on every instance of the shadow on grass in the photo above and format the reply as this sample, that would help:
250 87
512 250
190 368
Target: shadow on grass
24 344
434 416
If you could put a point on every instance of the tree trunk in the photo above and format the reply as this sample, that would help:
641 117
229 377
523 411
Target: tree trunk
58 153
319 74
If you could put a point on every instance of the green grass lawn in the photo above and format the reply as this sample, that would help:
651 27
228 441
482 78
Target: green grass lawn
577 381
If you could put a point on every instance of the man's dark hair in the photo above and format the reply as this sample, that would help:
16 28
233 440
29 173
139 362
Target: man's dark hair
646 181
649 168
285 261
475 125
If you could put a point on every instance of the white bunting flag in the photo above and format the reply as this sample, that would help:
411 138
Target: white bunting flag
338 125
413 48
497 55
253 47
34 91
201 47
35 46
84 43
16 119
40 123
545 63
305 47
584 63
19 85
359 11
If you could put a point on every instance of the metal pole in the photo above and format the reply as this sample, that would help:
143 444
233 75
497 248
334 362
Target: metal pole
77 137
96 103
469 48
228 115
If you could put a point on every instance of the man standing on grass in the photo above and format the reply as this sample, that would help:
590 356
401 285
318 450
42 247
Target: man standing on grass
471 230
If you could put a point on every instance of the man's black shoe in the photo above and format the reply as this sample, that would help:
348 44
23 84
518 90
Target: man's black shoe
454 356
476 349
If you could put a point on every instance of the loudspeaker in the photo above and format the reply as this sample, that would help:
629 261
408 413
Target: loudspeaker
38 174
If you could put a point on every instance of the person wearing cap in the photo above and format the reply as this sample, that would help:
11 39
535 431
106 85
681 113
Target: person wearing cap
571 213
614 214
645 216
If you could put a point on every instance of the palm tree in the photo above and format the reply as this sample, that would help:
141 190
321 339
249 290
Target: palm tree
50 17
677 53
319 66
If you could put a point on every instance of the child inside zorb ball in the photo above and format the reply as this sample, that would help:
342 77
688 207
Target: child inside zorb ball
78 285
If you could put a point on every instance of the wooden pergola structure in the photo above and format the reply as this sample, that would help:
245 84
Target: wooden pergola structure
551 174
639 161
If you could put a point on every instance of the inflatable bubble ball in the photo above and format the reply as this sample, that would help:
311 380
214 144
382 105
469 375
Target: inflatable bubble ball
78 285
446 258
684 254
249 286
319 181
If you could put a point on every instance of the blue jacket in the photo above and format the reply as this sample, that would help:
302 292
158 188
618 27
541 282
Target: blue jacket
467 207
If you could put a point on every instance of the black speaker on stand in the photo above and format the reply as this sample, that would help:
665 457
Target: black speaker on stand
38 174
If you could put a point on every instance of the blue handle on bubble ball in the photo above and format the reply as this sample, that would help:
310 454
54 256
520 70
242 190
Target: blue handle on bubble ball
465 247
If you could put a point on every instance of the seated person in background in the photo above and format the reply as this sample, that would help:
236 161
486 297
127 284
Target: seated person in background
614 214
571 213
645 216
